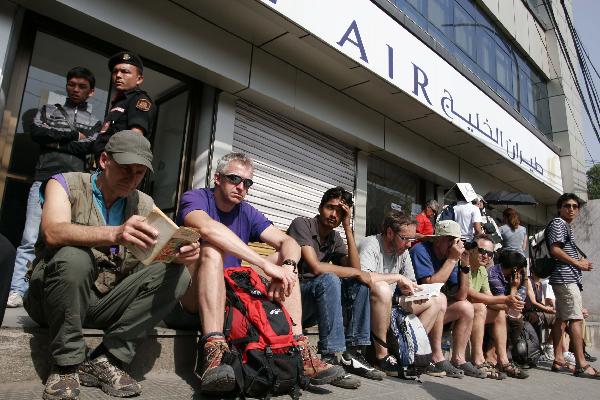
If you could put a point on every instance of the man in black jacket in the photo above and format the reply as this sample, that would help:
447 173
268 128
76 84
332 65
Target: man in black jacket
131 108
64 133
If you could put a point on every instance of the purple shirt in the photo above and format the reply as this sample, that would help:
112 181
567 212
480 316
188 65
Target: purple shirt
499 285
244 220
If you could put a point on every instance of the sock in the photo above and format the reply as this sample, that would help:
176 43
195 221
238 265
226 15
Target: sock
98 351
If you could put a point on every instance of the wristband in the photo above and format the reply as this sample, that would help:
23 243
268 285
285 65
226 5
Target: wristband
465 270
292 263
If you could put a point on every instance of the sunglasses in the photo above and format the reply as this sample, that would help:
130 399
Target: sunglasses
407 239
485 252
236 180
570 205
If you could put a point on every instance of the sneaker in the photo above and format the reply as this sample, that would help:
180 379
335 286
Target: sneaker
444 368
14 300
354 362
569 357
548 351
62 384
215 377
318 371
470 370
512 370
388 365
346 381
103 372
589 357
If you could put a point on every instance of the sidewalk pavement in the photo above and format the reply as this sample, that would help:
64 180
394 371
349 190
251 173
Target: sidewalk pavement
542 384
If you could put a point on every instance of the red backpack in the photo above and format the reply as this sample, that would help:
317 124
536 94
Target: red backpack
264 355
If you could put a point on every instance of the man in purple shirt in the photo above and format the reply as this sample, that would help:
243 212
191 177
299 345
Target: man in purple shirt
226 224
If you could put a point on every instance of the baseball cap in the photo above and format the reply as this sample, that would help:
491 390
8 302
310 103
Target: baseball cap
129 147
125 57
446 228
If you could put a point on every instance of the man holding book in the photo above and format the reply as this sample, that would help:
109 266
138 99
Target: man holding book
386 259
227 224
84 276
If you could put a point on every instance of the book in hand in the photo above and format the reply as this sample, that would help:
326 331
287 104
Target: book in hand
170 238
427 291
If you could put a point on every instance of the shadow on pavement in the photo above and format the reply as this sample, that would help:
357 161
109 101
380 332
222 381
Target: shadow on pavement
444 392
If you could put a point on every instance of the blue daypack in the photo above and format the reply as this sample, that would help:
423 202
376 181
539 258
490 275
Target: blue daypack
448 213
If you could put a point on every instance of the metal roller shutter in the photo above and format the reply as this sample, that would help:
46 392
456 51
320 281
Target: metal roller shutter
294 164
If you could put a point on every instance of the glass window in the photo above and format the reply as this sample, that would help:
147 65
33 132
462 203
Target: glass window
464 31
461 27
389 187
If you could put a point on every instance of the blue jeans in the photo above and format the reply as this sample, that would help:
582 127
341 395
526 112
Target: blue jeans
326 299
26 251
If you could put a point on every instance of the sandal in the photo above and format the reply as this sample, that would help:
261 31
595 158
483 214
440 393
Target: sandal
562 367
582 372
513 371
491 371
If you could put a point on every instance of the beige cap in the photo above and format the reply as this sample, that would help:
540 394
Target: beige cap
447 228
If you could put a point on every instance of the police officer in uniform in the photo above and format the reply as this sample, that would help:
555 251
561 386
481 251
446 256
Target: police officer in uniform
131 107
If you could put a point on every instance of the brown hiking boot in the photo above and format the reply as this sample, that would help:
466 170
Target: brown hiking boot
103 373
62 384
215 377
319 372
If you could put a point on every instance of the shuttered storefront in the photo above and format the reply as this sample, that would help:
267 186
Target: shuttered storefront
294 165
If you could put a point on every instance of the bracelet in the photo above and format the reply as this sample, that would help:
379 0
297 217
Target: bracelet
291 262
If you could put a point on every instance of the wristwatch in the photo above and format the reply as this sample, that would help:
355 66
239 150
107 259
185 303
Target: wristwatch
292 263
465 270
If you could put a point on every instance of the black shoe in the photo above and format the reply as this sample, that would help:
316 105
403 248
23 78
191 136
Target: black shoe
388 365
589 357
355 363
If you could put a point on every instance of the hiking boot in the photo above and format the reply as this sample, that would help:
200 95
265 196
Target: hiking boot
215 376
388 365
470 370
14 300
62 384
354 362
104 373
318 371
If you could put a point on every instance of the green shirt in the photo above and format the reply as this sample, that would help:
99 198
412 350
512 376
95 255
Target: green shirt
478 280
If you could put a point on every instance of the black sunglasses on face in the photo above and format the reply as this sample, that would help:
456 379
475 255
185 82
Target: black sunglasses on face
485 252
570 205
236 180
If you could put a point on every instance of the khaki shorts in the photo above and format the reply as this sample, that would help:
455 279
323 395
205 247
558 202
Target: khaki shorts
568 301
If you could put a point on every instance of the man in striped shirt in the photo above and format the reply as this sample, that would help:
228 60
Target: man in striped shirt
566 283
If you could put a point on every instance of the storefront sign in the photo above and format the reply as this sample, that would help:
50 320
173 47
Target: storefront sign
363 32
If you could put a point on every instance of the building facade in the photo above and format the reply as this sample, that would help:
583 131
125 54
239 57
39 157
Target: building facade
396 100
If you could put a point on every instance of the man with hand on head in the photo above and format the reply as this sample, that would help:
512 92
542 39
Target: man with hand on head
85 277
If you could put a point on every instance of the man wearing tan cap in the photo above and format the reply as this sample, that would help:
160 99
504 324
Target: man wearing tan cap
437 261
83 275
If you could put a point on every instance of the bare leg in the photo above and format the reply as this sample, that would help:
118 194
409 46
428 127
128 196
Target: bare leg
479 319
576 336
462 313
435 335
558 330
428 311
207 293
500 335
381 308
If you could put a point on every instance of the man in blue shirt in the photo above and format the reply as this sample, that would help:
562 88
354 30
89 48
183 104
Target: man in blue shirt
437 261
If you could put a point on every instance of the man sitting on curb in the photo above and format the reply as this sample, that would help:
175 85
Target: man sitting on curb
227 224
436 262
84 276
333 286
489 309
386 258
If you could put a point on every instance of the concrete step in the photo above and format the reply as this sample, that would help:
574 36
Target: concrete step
24 350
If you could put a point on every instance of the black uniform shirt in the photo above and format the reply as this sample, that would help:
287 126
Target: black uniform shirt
131 109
